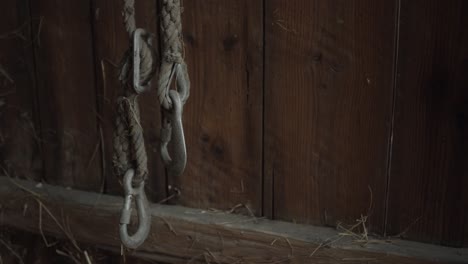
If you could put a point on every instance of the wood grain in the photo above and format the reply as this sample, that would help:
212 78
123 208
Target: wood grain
20 154
182 234
223 116
110 42
31 248
328 106
20 138
66 93
429 171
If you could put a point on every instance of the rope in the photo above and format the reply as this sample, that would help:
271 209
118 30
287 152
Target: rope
129 145
129 16
121 158
129 148
172 62
147 63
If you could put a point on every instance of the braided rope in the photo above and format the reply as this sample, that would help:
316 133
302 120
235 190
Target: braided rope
172 63
129 148
129 16
121 159
129 145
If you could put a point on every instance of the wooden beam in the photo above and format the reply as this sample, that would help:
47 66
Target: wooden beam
182 234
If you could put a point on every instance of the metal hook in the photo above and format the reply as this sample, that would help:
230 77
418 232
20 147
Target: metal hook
173 129
144 220
183 82
179 70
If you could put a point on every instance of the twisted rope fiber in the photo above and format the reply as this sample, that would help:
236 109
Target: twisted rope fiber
129 16
172 54
147 62
129 145
121 161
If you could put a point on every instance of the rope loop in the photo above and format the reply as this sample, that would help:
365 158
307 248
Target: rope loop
144 65
139 60
137 69
130 159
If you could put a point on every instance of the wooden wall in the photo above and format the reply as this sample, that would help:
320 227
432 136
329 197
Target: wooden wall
312 111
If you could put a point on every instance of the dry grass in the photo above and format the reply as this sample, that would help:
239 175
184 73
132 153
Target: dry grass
176 194
358 231
5 74
235 209
12 251
68 248
75 253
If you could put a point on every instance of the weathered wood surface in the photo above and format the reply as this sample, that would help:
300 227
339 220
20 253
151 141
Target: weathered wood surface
328 107
20 247
66 93
429 168
20 143
181 234
20 154
110 42
328 84
223 116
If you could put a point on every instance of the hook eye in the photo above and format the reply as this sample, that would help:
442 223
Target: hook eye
144 220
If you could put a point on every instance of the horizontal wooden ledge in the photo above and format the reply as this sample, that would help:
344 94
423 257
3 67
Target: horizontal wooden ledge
182 234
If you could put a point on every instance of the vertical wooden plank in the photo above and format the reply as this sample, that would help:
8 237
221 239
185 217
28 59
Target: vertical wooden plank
19 137
429 173
67 95
111 41
328 104
223 116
